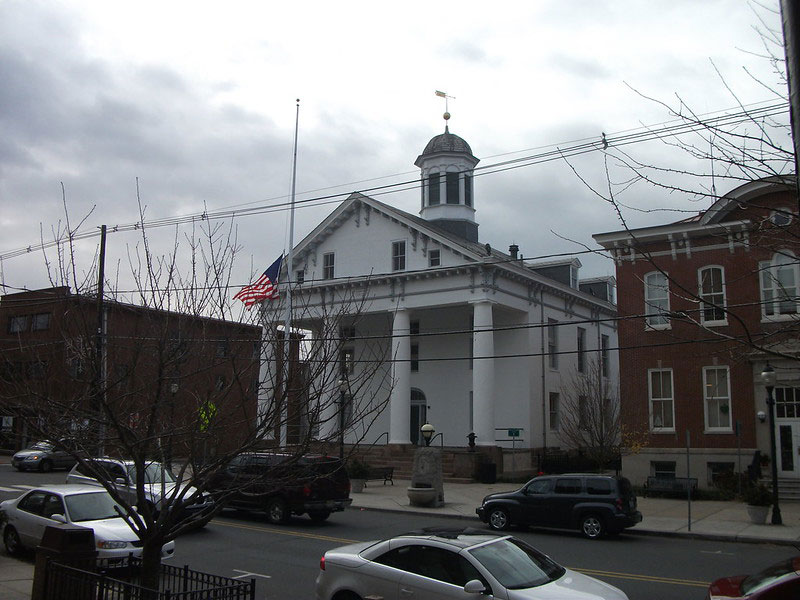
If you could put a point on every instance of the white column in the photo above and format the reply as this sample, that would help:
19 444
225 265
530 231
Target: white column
483 373
329 394
400 401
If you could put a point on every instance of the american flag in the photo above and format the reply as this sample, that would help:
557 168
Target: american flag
266 288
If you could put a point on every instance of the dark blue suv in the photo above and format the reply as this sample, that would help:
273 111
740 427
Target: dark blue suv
593 504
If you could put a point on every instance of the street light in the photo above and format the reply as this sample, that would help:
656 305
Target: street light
769 377
427 433
342 392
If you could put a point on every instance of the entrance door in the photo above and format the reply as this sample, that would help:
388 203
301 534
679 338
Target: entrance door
419 416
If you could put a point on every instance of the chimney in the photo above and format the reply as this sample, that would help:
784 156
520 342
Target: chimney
513 250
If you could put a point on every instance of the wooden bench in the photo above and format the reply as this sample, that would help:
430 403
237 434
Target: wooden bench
378 473
671 485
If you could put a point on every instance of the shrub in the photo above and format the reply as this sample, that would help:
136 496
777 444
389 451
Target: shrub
357 469
757 495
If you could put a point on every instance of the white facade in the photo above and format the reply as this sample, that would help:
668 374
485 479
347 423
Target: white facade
463 327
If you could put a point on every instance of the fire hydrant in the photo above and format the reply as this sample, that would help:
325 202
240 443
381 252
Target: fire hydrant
471 437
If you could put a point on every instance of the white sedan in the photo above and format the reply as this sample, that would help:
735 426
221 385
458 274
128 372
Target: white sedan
26 518
445 564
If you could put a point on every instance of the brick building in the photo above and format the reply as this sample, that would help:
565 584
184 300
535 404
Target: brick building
175 373
705 304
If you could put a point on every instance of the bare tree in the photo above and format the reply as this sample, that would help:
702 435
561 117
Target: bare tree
590 414
178 378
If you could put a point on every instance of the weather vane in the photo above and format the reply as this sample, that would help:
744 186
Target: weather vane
446 114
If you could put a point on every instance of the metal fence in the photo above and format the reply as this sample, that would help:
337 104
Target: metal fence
122 581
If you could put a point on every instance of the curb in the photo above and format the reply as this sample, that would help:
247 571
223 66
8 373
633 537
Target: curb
713 537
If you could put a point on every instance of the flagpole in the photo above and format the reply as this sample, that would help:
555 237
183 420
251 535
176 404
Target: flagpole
287 337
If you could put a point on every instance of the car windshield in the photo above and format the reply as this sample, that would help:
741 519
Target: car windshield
42 446
516 565
90 507
152 473
784 569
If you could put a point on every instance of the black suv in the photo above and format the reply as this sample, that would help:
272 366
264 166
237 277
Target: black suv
282 485
594 504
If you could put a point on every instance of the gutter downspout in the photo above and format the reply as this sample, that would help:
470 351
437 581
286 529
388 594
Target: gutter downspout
544 367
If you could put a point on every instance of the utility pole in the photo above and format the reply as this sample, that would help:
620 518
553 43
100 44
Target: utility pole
99 349
790 19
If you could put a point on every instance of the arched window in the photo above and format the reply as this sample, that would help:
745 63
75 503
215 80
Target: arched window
452 188
779 280
656 299
711 284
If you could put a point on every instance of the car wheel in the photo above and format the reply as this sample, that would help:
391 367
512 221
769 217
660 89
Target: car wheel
319 515
592 527
276 511
12 541
46 465
498 519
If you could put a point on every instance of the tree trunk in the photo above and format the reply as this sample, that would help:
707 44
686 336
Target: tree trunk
151 563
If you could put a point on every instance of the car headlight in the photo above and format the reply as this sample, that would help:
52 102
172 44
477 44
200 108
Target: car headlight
111 545
33 457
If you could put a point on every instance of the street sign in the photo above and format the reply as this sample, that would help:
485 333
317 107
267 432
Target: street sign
513 433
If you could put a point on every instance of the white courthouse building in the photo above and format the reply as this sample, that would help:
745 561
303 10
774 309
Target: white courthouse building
474 339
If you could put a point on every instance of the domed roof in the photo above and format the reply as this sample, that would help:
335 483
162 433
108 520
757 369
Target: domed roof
446 142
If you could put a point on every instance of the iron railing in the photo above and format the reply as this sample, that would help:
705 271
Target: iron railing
122 581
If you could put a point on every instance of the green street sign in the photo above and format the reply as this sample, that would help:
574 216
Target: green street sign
513 433
207 412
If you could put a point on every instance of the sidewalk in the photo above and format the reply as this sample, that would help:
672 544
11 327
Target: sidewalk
724 521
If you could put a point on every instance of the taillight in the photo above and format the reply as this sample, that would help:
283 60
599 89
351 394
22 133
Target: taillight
306 491
619 504
322 563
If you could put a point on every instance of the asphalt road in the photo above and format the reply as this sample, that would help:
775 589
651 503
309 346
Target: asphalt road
285 559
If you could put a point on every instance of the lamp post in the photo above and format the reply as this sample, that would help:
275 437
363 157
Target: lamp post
427 431
173 390
768 377
342 392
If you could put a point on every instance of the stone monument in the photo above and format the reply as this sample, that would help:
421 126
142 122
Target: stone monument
427 485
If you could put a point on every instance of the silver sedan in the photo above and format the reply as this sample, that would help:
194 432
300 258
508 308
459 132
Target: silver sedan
447 564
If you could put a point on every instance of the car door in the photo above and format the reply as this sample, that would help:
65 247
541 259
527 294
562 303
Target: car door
533 502
25 518
434 573
566 493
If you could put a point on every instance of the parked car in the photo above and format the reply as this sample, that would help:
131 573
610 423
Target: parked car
593 504
42 456
159 482
25 519
282 485
452 563
780 581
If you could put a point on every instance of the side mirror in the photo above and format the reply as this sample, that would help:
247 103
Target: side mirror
121 480
473 586
59 517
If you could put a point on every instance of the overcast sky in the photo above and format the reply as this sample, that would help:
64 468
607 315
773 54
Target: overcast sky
197 101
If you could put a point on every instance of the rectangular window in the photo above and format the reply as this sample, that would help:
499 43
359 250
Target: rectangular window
604 355
581 349
414 358
328 265
300 276
656 300
434 258
347 333
712 294
433 189
222 349
18 324
552 342
787 402
718 472
413 327
779 286
451 186
554 411
40 322
663 469
468 190
717 394
662 415
583 413
399 256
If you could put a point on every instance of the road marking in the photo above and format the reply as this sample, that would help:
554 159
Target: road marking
593 572
312 536
717 552
638 577
249 574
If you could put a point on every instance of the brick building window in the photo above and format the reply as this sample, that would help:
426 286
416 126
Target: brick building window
662 405
17 324
656 300
663 469
712 295
779 278
717 398
787 402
